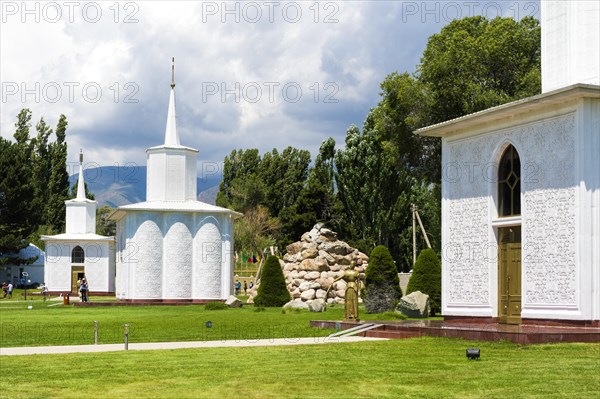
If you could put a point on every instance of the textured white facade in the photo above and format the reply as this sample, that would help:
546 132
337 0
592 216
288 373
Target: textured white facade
174 255
172 247
557 136
570 42
98 265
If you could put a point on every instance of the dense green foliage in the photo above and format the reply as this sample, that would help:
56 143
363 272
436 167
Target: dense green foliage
34 183
272 290
427 278
382 286
506 370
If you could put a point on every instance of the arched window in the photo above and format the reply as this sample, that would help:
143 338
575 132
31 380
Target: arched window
77 255
509 183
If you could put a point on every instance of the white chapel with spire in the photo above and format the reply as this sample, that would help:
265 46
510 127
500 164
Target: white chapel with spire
80 252
172 247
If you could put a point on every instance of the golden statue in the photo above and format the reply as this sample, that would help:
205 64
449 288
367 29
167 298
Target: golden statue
351 277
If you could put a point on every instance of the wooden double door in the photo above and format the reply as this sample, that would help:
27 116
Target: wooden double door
509 275
77 273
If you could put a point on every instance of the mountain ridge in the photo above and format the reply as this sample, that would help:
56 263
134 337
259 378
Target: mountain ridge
121 185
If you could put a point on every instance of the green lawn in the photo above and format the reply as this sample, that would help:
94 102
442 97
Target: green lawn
51 323
69 325
412 368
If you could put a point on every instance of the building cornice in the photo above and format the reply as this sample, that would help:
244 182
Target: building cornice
558 98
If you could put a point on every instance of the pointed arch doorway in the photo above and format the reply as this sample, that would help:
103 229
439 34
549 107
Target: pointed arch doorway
509 275
509 238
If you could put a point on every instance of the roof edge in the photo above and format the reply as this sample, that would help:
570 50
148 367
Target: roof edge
575 91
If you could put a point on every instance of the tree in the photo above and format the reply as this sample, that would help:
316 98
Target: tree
104 225
382 286
16 188
58 185
272 290
475 63
41 168
238 165
427 278
255 230
369 184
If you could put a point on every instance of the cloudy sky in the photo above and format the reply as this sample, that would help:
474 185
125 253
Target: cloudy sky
248 74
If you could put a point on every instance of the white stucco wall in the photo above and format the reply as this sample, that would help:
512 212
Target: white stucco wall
559 171
174 255
99 265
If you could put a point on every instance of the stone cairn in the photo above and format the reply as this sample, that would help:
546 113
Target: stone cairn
312 264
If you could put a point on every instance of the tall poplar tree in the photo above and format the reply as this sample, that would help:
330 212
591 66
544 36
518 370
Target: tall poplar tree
58 186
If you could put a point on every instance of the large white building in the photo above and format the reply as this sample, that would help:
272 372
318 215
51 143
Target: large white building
521 189
80 252
172 247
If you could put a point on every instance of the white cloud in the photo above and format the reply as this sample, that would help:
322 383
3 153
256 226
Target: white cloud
131 61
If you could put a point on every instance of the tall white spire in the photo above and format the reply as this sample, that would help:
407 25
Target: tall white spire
171 136
80 182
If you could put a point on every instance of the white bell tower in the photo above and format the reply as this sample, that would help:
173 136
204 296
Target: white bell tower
171 167
81 212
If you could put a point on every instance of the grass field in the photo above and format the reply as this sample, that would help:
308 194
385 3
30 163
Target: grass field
51 323
67 325
411 368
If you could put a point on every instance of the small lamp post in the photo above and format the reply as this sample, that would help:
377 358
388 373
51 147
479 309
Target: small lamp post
25 275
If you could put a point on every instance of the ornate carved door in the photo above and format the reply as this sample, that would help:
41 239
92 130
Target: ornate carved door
509 275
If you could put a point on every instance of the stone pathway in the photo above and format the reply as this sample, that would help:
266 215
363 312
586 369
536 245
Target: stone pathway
47 350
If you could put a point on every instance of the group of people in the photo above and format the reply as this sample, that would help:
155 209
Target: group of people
82 288
7 290
238 287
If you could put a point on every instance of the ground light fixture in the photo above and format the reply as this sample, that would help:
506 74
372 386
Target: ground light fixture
473 353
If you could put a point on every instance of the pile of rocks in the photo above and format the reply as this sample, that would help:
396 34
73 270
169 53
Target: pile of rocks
311 265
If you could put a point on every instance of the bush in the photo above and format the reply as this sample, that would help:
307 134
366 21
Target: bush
272 291
427 278
215 306
382 287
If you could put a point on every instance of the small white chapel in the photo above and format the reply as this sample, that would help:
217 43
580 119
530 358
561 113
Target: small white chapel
521 190
80 252
173 248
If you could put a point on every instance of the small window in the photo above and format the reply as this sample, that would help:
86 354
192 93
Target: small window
509 183
77 255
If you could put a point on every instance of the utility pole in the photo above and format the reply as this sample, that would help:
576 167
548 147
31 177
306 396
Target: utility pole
415 218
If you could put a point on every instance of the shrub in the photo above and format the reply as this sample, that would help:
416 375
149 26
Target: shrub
382 287
427 278
215 306
272 291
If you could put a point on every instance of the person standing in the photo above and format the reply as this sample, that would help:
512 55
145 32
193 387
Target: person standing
84 290
79 288
10 290
4 290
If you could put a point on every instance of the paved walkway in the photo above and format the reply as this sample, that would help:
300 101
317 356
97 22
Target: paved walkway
46 350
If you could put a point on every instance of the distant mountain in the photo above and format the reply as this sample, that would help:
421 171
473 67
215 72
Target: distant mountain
121 185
